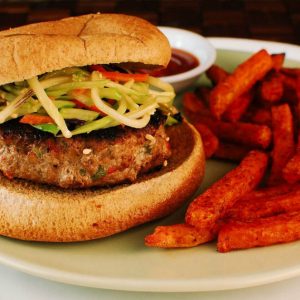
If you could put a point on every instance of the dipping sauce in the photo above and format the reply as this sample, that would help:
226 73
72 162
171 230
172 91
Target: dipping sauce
181 61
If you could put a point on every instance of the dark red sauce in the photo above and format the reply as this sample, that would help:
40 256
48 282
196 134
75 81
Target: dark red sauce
181 61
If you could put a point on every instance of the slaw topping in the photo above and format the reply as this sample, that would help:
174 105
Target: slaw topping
95 98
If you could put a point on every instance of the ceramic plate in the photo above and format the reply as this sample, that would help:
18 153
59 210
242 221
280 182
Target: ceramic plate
122 262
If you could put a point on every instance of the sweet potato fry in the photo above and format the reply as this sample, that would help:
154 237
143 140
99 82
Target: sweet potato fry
193 107
210 141
239 82
271 191
192 103
283 140
278 60
262 207
262 232
292 90
231 152
178 236
291 71
289 87
261 116
250 135
216 74
212 205
291 172
296 110
195 117
271 89
295 103
238 107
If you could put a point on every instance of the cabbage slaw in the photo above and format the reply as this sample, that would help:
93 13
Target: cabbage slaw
77 94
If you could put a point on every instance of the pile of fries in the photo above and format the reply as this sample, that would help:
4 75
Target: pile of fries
251 117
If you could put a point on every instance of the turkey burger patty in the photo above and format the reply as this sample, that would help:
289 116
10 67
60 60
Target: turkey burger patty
101 158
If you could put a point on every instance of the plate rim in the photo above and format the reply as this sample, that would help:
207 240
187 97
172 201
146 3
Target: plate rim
165 285
243 44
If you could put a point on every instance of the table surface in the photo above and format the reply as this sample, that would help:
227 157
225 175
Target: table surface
276 20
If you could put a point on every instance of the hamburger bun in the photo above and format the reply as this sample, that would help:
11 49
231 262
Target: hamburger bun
42 212
35 212
35 49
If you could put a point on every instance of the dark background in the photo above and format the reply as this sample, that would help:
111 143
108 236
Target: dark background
277 20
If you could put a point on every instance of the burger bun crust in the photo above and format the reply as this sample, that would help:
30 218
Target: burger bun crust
35 49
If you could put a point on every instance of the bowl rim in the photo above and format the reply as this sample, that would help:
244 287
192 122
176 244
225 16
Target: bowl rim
202 67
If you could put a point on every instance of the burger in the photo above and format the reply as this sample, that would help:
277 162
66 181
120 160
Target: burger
89 145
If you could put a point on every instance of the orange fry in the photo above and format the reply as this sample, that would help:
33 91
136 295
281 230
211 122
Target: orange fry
271 89
296 107
231 152
239 82
238 107
212 205
283 140
291 71
261 116
262 207
291 172
216 74
278 60
270 191
289 87
262 232
210 141
192 103
193 107
251 135
178 236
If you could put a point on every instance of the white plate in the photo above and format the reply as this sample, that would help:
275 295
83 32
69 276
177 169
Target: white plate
122 262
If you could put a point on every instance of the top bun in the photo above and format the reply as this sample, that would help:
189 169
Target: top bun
35 49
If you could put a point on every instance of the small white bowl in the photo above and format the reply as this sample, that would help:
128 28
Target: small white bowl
195 44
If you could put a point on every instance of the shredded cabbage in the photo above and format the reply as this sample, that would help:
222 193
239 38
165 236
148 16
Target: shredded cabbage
75 93
49 106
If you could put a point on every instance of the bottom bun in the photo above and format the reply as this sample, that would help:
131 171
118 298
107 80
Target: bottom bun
36 212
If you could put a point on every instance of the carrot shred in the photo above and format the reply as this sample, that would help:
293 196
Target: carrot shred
36 120
81 91
117 76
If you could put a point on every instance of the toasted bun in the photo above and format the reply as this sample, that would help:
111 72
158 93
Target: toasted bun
35 212
35 49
